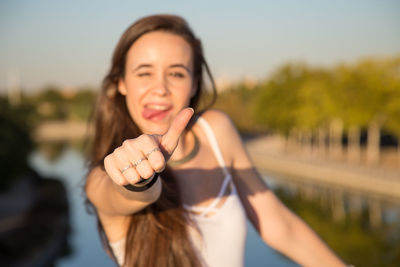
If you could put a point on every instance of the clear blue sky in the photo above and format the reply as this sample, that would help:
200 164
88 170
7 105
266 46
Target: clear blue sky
69 43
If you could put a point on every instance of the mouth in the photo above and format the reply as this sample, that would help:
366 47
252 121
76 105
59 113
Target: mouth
156 112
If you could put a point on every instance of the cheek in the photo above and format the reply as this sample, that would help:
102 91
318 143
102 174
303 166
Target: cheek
184 96
131 101
134 94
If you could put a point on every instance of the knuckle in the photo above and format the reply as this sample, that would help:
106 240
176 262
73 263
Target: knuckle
145 138
117 151
132 176
167 146
160 168
133 180
108 162
158 164
113 176
126 143
146 173
107 159
140 137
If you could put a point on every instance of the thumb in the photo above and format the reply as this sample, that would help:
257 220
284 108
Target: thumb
170 139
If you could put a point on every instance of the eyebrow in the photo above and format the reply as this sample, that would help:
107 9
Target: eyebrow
142 66
171 66
181 66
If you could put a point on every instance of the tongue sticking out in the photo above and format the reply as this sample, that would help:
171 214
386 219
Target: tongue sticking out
154 114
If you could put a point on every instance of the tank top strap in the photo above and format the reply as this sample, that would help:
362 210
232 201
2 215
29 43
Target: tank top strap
214 144
221 162
213 206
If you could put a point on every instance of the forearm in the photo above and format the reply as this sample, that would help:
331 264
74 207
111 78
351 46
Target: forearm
147 194
301 244
114 199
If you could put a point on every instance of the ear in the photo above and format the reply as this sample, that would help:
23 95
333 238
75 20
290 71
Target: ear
122 87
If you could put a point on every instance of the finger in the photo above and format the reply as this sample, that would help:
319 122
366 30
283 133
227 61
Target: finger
124 165
169 141
113 171
131 175
141 151
156 159
143 168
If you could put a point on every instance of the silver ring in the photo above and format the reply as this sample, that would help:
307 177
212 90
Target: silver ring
151 151
138 162
125 168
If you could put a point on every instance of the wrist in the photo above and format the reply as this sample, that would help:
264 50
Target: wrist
143 184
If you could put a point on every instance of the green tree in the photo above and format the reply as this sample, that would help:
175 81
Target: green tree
374 78
51 104
392 108
81 105
276 101
236 102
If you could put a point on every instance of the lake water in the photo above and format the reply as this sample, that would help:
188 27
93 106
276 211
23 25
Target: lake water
84 240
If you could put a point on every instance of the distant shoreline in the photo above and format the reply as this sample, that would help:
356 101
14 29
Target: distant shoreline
62 131
383 182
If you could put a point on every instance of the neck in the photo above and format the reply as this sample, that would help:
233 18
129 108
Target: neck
184 147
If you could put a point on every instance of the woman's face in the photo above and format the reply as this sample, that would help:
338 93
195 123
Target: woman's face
158 80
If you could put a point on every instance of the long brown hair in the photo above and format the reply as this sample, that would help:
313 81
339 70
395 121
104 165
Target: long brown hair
157 235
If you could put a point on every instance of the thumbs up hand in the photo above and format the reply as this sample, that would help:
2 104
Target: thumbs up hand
141 157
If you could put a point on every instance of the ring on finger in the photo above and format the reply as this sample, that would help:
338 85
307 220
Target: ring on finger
126 168
151 151
136 163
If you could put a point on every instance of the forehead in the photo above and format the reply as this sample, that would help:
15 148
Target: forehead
160 47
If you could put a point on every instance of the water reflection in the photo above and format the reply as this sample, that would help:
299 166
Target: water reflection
363 230
70 169
34 209
34 222
52 151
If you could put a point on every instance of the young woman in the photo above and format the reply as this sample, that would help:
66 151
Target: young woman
171 185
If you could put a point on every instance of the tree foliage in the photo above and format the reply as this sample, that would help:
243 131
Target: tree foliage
307 98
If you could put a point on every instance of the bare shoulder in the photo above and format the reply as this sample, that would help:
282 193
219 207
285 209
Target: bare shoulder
220 122
225 131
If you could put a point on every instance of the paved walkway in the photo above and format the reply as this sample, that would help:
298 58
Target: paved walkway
269 157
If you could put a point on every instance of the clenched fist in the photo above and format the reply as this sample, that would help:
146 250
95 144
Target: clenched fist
145 155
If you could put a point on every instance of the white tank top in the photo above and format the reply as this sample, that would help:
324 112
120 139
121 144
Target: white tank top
223 233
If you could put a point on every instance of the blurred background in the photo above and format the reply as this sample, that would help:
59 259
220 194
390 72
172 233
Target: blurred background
314 88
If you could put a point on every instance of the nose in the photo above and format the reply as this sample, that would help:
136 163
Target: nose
160 86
